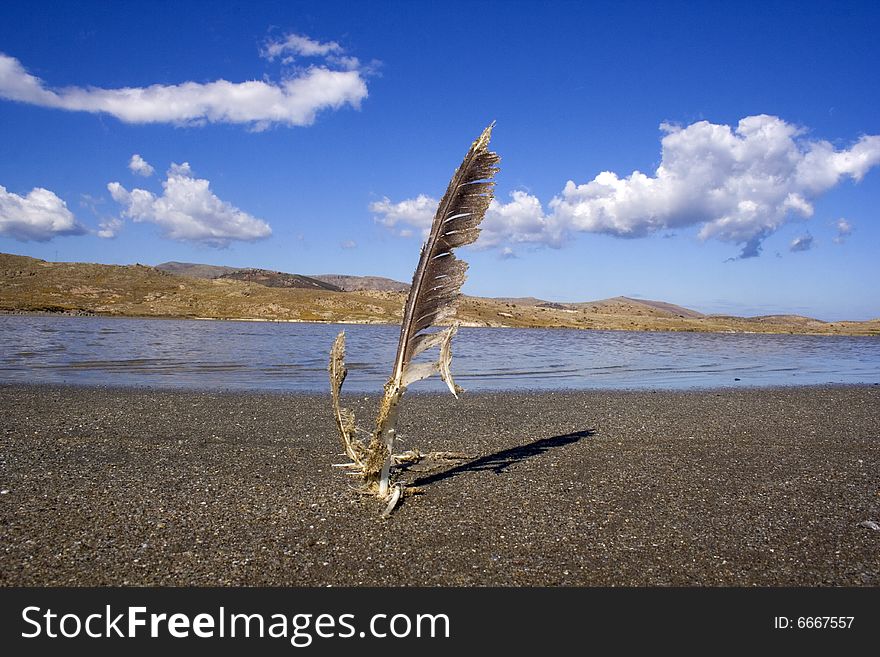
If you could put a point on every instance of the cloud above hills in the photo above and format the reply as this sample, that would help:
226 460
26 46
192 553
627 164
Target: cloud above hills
187 210
332 82
737 184
37 216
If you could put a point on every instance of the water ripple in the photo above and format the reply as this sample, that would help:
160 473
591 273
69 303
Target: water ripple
288 356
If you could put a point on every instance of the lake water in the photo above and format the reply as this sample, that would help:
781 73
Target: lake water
284 356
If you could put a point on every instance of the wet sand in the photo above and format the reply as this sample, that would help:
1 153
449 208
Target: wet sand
109 486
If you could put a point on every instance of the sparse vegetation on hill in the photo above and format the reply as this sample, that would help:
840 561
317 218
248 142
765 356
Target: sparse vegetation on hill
363 283
139 291
31 285
279 279
195 270
336 282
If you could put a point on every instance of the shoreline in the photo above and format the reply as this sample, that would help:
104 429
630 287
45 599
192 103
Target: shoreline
376 394
463 324
121 486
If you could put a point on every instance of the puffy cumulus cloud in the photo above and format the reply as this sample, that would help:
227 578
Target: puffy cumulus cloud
294 101
802 243
404 216
844 230
39 216
139 166
188 210
180 170
521 220
740 184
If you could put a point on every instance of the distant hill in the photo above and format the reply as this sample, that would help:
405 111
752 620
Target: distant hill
613 306
80 288
29 285
269 278
629 306
195 270
520 301
279 279
663 306
361 283
781 320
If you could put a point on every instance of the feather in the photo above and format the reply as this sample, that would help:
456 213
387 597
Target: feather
446 361
344 417
417 371
435 289
439 275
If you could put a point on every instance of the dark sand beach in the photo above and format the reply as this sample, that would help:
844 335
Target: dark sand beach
105 486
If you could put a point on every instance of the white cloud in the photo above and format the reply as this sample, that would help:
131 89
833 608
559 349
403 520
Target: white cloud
844 230
402 217
738 184
109 228
293 101
188 210
297 44
741 184
140 166
802 243
178 170
348 244
39 216
522 220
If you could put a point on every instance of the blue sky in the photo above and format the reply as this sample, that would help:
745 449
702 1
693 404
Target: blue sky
752 129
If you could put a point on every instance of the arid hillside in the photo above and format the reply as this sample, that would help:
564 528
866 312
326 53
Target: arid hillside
31 285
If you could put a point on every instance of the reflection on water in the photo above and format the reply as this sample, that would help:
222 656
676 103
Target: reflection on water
283 356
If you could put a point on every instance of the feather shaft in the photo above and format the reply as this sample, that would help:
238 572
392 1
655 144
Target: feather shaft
435 289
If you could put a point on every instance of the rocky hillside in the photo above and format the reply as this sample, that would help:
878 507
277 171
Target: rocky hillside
638 307
362 283
333 282
195 270
31 285
279 279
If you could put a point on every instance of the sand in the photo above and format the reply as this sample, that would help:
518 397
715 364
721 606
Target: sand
109 486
